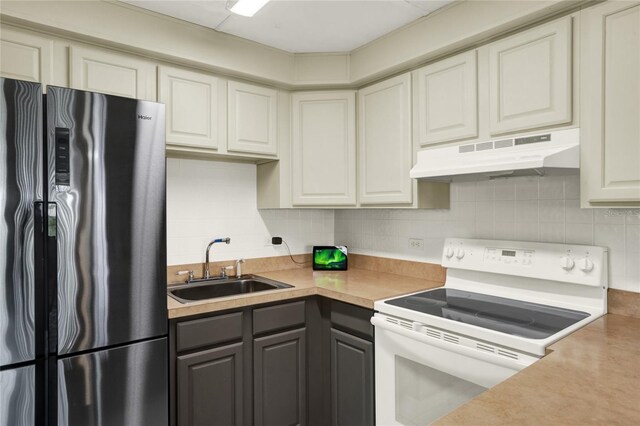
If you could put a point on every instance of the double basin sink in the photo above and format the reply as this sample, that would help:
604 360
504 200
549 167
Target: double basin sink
215 288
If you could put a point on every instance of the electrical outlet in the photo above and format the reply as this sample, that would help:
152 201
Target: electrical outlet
416 243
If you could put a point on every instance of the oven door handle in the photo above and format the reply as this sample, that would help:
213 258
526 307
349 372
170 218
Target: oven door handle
451 347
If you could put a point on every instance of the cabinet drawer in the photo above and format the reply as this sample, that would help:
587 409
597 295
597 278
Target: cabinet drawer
351 318
278 317
208 331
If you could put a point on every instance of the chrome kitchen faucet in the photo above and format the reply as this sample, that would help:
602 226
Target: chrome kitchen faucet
205 268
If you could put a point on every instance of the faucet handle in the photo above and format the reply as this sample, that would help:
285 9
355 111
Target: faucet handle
185 272
224 269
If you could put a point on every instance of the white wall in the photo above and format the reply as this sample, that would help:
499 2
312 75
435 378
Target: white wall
207 199
527 209
210 199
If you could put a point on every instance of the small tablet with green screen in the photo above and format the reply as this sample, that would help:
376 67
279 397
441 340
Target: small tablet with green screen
329 258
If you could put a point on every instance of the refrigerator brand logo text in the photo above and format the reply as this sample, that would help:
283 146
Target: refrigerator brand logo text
143 117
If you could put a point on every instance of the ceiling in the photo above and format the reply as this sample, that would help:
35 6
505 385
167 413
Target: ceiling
302 25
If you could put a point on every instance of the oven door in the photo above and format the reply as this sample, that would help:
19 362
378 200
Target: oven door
421 376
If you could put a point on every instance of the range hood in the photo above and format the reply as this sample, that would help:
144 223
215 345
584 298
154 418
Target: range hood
550 153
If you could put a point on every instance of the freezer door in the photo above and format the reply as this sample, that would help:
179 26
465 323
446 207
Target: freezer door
17 404
126 386
20 187
106 174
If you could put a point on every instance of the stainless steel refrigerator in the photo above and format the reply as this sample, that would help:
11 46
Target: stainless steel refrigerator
83 318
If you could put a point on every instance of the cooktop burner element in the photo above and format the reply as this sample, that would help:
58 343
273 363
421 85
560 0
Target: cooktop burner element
514 317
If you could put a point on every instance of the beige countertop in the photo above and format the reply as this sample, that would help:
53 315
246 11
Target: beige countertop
589 377
356 286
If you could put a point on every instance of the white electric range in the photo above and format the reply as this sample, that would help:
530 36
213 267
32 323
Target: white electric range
502 305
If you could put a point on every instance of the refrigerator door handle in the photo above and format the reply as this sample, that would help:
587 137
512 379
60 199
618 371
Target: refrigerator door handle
46 281
40 279
52 277
46 320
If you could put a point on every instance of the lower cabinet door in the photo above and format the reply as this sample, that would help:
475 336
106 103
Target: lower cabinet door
351 380
280 379
210 387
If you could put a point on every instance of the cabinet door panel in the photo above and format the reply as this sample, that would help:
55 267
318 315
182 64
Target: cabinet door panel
192 107
351 380
109 72
446 96
385 148
210 387
252 121
611 104
530 78
24 56
279 383
324 148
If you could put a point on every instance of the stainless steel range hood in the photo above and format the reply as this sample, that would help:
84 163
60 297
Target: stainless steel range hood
541 154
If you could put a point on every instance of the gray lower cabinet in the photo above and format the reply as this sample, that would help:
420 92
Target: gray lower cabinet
302 362
347 341
209 386
279 368
351 380
243 367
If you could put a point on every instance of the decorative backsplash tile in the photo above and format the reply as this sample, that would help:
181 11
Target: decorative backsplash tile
525 208
207 199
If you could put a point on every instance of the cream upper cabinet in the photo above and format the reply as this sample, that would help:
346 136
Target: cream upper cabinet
25 56
252 119
446 100
323 143
191 100
384 142
610 107
112 73
530 78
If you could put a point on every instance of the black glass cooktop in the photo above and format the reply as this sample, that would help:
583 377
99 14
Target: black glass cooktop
515 317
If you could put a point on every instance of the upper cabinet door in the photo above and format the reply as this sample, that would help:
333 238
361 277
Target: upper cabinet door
104 71
384 142
324 148
252 119
530 78
191 100
446 100
610 105
24 56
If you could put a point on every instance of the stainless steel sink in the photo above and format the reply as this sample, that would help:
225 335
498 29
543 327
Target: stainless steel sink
212 289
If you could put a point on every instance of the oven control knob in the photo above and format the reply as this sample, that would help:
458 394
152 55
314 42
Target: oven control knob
460 253
585 264
567 263
449 252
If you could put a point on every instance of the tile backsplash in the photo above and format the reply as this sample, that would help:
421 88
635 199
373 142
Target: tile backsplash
526 208
210 199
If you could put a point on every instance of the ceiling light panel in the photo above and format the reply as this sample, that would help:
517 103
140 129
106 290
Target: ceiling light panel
246 8
302 25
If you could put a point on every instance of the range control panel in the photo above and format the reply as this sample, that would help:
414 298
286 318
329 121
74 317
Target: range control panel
559 262
509 256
